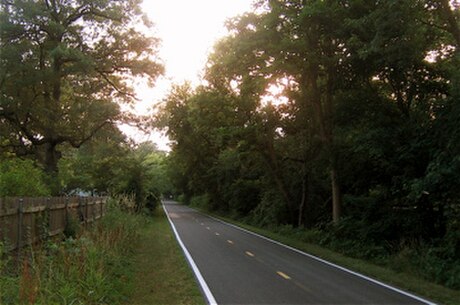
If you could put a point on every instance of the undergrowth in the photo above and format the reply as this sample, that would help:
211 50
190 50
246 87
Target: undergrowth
92 268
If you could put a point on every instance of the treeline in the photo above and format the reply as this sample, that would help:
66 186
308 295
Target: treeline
109 164
336 116
66 70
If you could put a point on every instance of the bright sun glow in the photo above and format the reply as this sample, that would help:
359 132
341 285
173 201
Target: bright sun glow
188 30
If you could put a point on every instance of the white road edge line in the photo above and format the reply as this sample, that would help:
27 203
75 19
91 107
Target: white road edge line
210 298
326 262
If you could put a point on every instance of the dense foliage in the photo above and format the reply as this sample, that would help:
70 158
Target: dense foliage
21 178
343 112
110 165
64 68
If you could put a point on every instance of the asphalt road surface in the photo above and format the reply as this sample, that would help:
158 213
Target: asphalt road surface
234 266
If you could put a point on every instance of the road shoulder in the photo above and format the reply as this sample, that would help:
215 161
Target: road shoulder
162 275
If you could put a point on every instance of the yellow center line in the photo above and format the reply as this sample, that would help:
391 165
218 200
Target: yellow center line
229 241
283 275
249 254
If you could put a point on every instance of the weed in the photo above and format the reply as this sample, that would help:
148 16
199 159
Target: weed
9 285
162 273
72 227
90 268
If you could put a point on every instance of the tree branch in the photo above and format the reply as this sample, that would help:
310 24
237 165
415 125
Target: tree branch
22 128
114 86
433 25
76 144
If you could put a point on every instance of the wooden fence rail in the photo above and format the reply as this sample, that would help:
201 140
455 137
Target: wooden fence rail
24 221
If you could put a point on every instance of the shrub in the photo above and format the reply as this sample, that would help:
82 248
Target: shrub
271 210
22 178
201 202
9 285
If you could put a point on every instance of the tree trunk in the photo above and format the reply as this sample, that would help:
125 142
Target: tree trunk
336 196
302 201
325 124
51 158
50 162
276 173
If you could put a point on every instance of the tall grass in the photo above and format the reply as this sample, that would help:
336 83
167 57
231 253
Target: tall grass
92 268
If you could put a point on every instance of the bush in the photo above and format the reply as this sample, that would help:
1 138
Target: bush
22 178
270 211
243 196
9 285
152 201
201 202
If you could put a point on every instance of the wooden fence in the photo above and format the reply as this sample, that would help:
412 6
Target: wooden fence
24 221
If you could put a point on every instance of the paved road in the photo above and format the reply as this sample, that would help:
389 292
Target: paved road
242 268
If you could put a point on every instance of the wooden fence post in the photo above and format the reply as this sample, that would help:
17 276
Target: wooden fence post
20 221
102 207
66 220
85 200
80 210
47 219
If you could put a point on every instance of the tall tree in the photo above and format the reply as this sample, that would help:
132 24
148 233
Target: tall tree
292 40
64 66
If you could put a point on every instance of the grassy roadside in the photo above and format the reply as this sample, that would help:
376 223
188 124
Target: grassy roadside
124 259
406 282
161 273
92 266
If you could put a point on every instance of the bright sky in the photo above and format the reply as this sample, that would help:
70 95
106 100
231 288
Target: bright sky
188 30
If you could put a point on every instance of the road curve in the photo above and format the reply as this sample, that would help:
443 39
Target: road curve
234 266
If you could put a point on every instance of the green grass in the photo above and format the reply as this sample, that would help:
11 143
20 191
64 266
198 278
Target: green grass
93 268
124 259
162 275
406 282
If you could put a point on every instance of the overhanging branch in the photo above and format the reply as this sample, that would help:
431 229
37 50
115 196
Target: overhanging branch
77 144
114 86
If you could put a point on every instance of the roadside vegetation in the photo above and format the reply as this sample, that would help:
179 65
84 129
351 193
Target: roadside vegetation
161 274
125 258
95 266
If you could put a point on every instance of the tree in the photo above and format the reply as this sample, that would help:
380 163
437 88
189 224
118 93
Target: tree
366 126
64 66
205 126
109 164
300 42
97 164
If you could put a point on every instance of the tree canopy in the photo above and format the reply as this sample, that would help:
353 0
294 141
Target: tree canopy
65 67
